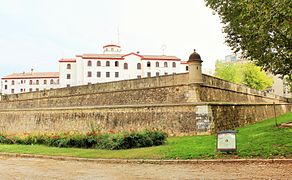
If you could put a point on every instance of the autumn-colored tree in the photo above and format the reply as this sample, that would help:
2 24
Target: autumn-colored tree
244 73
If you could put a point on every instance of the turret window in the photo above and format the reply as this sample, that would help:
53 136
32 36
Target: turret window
68 66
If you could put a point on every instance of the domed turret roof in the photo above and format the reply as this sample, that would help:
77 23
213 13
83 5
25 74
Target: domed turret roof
195 57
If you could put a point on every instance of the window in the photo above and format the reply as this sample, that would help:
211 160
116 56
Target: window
68 76
52 81
107 63
157 73
125 65
116 64
98 74
37 82
12 91
165 64
5 87
21 82
165 73
68 66
68 85
6 81
148 64
98 63
30 89
45 81
21 90
30 82
139 76
116 74
157 64
139 66
187 68
89 74
107 74
12 82
89 63
148 74
173 64
37 89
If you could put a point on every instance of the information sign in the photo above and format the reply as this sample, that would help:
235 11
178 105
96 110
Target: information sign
226 141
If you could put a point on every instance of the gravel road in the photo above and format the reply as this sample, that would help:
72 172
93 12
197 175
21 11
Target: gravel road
34 168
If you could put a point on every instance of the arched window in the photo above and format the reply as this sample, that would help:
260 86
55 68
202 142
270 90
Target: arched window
157 64
148 64
52 81
116 64
89 63
165 64
139 66
98 63
68 66
173 64
107 63
45 81
125 65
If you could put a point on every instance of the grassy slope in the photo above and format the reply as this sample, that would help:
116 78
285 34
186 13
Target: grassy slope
261 139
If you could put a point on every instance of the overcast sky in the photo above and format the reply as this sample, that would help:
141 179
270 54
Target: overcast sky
37 33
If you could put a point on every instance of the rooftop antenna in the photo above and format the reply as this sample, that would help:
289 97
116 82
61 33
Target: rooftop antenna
163 47
118 34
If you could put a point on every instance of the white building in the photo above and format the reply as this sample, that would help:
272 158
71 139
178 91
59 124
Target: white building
111 65
114 66
29 81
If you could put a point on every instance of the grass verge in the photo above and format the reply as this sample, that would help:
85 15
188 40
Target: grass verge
259 140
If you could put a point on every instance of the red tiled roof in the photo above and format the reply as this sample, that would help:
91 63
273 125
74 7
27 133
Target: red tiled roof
67 60
111 45
32 75
121 56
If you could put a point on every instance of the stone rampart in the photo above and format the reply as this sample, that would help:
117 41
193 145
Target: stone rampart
169 103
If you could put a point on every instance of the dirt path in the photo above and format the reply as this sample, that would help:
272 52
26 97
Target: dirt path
33 168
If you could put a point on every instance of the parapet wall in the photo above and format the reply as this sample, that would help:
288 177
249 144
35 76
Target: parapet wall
163 103
218 90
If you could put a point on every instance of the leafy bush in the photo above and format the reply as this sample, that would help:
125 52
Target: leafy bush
123 140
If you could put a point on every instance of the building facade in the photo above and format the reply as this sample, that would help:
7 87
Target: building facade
29 81
111 65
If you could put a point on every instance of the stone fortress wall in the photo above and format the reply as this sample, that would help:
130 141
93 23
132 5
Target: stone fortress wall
172 103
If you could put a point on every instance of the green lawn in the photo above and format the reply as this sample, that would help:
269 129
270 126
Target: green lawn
259 140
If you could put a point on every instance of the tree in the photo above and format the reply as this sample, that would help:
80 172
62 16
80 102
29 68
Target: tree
244 73
259 29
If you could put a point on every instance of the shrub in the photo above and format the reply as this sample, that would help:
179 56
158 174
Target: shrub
123 140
